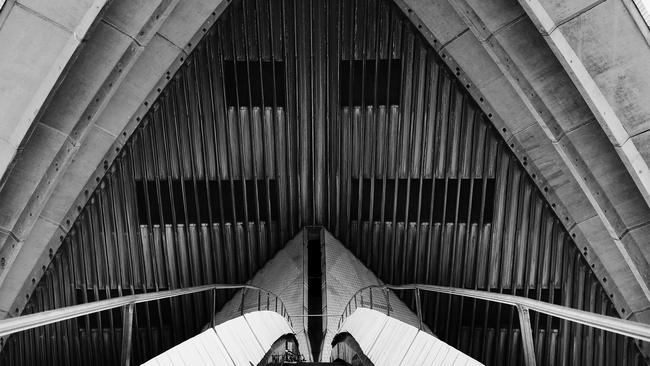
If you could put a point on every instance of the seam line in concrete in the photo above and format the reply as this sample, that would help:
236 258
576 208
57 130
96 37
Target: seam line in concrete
454 38
637 312
172 43
508 25
49 20
107 22
635 135
575 15
53 129
635 227
105 130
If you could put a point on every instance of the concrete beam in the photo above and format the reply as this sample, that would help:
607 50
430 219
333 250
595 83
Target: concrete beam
114 87
527 94
39 42
568 31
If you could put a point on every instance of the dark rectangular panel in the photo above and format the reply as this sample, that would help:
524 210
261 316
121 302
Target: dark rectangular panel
370 82
246 86
187 201
415 196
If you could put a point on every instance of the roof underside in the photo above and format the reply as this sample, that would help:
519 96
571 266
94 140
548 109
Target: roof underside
564 84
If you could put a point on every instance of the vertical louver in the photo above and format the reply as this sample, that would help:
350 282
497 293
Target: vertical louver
317 112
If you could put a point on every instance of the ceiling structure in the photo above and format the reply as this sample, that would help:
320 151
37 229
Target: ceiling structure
564 84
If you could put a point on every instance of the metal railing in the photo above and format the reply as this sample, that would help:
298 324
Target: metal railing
269 302
524 306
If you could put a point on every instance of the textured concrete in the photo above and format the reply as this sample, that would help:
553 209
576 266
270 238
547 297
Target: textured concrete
285 275
596 188
566 84
40 40
344 276
91 113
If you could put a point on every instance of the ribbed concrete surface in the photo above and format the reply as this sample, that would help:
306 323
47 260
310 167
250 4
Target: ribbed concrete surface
240 341
388 341
282 275
345 274
592 164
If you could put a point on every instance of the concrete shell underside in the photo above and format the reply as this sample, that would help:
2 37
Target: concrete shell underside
564 83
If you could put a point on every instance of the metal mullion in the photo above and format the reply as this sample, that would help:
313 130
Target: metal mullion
50 330
59 292
153 146
297 117
438 77
522 216
470 119
204 153
331 85
84 293
68 283
424 146
107 283
453 244
543 242
287 130
95 267
251 134
443 222
538 233
173 277
242 172
415 106
187 73
265 169
337 120
362 132
73 324
138 235
388 122
40 332
498 166
551 278
114 211
485 141
229 147
409 98
534 236
164 106
374 134
175 120
509 185
311 116
229 139
196 304
398 156
273 121
122 194
347 171
215 140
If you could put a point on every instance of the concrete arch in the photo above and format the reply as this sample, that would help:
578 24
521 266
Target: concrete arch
520 60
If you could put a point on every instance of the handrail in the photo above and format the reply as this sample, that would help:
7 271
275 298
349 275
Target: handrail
26 322
524 305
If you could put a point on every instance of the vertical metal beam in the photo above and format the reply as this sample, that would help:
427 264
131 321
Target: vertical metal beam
127 333
526 335
213 305
418 307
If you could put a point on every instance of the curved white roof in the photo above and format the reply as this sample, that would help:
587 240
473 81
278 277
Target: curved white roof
240 341
388 341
